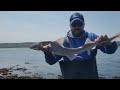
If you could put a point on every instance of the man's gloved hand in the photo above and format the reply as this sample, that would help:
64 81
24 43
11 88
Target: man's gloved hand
102 38
46 49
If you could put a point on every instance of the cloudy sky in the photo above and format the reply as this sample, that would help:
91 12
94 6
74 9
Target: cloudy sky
30 26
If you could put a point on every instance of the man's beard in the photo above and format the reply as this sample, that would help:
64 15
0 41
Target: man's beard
77 33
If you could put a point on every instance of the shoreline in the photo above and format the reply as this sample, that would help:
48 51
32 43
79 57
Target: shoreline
7 73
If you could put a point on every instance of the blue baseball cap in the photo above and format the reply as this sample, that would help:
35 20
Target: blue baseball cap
76 16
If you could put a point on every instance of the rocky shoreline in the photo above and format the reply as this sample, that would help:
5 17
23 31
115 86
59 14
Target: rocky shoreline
6 73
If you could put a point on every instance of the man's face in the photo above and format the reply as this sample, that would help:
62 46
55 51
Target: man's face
77 28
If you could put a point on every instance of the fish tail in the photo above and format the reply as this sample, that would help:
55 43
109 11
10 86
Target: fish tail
112 38
115 36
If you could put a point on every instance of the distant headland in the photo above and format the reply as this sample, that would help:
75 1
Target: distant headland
24 44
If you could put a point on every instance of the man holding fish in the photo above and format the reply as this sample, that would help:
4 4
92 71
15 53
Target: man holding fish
84 65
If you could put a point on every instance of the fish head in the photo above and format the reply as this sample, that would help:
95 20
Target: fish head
39 45
34 47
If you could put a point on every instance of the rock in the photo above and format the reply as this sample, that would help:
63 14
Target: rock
27 63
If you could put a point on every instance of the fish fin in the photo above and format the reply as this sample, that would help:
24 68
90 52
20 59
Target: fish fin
114 37
72 57
60 41
88 41
94 47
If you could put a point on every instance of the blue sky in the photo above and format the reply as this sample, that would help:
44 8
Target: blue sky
29 26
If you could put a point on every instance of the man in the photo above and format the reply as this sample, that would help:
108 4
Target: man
83 67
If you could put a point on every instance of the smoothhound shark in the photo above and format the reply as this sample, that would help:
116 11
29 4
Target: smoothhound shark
71 53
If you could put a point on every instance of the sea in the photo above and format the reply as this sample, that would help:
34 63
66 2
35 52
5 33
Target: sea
108 64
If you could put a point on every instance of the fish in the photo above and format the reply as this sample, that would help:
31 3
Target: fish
72 53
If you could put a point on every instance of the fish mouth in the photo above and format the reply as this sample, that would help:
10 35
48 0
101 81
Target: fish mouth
34 47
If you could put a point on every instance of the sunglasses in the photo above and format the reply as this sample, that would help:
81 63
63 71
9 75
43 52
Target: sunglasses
77 24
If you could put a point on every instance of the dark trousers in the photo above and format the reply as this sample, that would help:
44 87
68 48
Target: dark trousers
79 69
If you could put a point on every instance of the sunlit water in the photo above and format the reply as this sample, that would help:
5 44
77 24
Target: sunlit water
108 65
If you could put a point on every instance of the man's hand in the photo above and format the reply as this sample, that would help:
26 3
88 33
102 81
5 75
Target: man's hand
101 39
46 49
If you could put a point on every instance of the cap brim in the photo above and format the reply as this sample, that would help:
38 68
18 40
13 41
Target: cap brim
76 19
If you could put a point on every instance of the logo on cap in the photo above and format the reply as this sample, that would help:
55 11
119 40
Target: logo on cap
74 16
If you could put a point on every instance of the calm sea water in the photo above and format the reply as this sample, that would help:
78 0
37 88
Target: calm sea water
108 65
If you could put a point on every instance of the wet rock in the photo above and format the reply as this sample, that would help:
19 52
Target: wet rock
116 77
28 72
20 69
59 77
36 73
27 63
17 65
1 77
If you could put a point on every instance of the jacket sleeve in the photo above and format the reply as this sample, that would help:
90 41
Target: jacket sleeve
109 49
52 59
